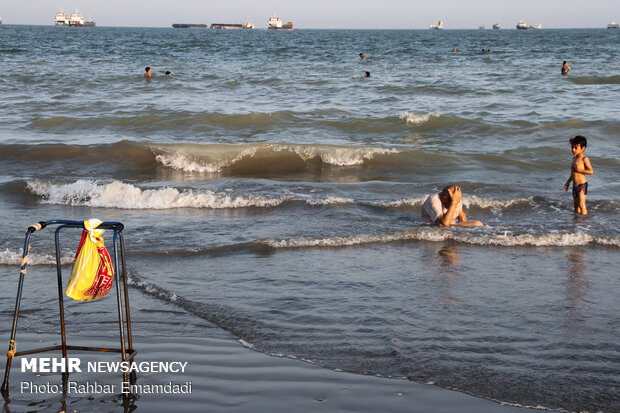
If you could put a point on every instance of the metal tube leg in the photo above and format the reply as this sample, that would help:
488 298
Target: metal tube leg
18 299
61 303
119 303
127 311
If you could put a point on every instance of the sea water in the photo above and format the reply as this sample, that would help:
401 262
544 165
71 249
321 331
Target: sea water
270 189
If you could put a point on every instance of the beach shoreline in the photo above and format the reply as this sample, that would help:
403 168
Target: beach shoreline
225 376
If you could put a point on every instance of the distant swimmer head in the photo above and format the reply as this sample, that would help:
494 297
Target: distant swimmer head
366 74
362 56
168 73
147 71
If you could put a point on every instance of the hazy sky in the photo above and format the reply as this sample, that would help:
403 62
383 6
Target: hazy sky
377 14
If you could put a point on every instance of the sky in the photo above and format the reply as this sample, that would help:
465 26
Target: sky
323 14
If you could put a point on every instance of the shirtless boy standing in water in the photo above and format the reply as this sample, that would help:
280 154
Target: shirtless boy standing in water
580 167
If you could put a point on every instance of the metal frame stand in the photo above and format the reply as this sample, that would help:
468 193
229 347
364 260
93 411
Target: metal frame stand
118 251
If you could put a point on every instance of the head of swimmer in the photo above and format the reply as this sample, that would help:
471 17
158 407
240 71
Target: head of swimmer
446 194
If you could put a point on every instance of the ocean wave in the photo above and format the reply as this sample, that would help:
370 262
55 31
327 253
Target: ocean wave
414 118
609 80
14 258
434 120
435 234
122 152
467 201
126 196
215 158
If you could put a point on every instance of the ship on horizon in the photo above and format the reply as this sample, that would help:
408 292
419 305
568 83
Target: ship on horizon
189 26
612 25
275 23
231 26
522 25
436 26
76 20
496 26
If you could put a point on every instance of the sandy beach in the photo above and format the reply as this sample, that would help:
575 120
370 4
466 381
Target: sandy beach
227 377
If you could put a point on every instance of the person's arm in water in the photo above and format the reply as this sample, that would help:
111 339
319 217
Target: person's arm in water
463 222
448 217
462 217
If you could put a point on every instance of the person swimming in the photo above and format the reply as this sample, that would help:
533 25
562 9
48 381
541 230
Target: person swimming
362 56
366 74
147 71
565 68
168 73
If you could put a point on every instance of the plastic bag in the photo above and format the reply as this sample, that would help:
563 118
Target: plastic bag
92 273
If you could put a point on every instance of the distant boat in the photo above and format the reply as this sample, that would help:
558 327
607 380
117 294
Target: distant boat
275 23
76 20
436 26
612 25
496 26
189 26
226 26
61 19
0 20
522 25
481 27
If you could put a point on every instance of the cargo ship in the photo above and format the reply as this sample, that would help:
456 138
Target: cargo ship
189 26
76 20
613 25
436 26
276 24
522 25
226 26
496 26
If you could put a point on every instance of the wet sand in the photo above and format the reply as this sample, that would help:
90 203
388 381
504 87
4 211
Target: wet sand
228 377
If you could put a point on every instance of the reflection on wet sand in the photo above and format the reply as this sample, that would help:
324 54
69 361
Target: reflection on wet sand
577 286
447 262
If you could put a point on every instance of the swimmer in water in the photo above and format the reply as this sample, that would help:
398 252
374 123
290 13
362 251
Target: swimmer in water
366 74
565 68
148 72
362 56
168 73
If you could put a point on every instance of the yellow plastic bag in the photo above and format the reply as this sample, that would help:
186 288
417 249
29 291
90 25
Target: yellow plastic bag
92 273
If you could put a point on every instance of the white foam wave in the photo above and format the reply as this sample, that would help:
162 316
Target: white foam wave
414 202
14 258
417 119
180 161
488 203
467 200
218 159
126 196
435 234
334 155
246 344
330 200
